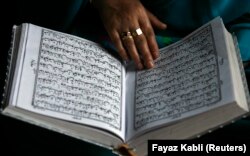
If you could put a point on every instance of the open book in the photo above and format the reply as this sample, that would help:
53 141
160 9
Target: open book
74 86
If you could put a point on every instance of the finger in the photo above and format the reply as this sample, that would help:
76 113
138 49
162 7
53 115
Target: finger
115 38
150 38
131 49
155 21
142 47
152 44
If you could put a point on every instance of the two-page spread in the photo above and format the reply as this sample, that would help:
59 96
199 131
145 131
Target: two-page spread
74 86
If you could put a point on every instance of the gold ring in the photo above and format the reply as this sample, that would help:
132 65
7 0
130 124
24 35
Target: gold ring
126 35
137 32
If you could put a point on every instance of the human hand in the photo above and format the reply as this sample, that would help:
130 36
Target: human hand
129 26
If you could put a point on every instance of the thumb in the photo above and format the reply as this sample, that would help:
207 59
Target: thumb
155 22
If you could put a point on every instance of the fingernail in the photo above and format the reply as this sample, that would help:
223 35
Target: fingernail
139 66
126 59
156 55
165 26
150 64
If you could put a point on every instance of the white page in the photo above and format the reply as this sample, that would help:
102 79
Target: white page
74 80
188 79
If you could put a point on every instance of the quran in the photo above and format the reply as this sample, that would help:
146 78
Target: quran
74 86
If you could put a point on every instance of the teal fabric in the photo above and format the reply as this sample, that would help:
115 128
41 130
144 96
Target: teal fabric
183 16
190 14
242 31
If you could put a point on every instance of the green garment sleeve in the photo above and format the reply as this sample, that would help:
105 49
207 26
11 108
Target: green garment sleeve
183 16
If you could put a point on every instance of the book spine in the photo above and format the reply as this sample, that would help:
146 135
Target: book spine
9 68
242 71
